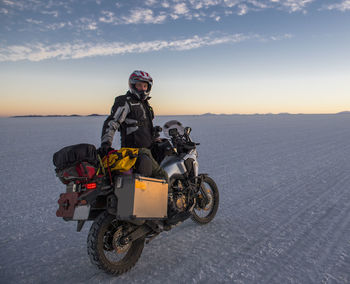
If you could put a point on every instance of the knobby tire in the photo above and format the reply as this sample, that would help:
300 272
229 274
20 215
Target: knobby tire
95 247
215 195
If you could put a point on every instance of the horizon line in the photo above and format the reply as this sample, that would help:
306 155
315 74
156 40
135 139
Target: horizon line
203 114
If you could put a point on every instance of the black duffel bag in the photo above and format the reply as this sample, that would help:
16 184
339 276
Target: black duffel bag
72 155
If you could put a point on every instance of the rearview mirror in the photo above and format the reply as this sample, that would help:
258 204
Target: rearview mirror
187 130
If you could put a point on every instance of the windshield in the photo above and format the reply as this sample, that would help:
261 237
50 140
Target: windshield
171 125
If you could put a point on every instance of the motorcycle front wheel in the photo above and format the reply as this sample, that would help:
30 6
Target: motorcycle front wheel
106 249
205 210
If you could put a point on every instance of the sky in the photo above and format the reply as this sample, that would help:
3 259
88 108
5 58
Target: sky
218 56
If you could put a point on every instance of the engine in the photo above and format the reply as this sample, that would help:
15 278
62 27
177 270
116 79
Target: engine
178 199
180 202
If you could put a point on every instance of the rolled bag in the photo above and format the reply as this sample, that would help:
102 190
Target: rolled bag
124 159
74 154
121 160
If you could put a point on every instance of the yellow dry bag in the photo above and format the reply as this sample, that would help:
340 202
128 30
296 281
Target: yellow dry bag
121 160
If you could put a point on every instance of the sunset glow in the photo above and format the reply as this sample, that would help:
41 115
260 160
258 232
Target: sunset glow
204 56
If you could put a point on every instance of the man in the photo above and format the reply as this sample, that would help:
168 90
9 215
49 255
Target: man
132 115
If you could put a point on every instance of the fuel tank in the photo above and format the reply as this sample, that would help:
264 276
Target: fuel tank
173 165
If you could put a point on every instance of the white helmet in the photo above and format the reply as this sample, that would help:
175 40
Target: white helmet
140 76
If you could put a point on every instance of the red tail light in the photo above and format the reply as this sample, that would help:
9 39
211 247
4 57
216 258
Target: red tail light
91 185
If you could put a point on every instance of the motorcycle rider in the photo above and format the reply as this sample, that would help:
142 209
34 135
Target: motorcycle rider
132 115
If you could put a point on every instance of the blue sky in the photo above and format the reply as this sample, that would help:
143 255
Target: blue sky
222 56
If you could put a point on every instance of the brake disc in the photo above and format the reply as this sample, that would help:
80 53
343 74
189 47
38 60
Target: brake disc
205 206
118 246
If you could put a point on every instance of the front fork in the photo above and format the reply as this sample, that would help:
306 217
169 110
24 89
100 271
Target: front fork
203 192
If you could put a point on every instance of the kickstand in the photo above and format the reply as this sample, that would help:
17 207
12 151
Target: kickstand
151 238
80 225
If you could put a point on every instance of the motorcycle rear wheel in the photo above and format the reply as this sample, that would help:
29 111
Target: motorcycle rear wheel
204 214
104 250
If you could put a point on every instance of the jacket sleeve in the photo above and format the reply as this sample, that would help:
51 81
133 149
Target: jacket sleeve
120 110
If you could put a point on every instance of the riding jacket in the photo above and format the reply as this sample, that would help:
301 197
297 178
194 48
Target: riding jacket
133 118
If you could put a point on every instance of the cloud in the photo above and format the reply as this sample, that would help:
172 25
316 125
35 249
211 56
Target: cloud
40 51
258 4
243 9
145 16
231 3
57 26
151 2
53 13
244 6
215 17
87 24
27 4
8 2
4 11
295 5
228 7
32 21
181 9
108 17
275 38
199 4
103 13
136 16
342 6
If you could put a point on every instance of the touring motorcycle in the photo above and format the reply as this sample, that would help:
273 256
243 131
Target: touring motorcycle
129 210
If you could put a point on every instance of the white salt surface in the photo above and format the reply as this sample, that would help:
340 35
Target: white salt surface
284 214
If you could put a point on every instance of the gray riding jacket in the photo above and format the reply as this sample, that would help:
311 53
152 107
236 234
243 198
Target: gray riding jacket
133 118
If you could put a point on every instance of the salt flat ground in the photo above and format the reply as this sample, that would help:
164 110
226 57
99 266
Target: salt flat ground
284 214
